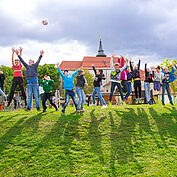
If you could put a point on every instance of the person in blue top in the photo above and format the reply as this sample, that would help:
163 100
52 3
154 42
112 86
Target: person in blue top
68 87
32 80
168 77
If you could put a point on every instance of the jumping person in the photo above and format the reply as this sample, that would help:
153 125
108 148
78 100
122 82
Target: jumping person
148 80
17 78
46 82
137 81
81 82
2 79
168 77
69 87
129 83
99 76
32 80
158 76
115 78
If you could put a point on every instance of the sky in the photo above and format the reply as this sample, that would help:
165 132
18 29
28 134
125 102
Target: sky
137 28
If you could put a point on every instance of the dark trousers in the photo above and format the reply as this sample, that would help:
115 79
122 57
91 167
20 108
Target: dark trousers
113 85
137 87
68 94
48 96
124 86
17 81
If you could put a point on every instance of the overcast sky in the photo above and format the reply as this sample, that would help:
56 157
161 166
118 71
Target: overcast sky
146 28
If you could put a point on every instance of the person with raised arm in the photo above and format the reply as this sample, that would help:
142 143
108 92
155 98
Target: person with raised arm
32 80
168 77
17 78
115 78
137 80
99 76
81 82
68 87
148 79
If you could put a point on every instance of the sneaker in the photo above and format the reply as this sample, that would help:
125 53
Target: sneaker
82 110
77 110
140 101
104 106
38 109
63 111
136 101
171 103
56 110
124 103
93 104
44 110
110 104
27 109
163 103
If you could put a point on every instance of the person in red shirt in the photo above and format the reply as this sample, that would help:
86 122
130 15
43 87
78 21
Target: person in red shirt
17 78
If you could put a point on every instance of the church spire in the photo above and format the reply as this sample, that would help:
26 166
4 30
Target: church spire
100 51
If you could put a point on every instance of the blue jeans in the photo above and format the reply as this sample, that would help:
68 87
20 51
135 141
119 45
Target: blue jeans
147 91
129 85
98 91
33 89
81 96
167 87
68 94
113 85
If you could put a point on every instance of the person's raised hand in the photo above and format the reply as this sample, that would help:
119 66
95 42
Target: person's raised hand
17 52
13 50
113 55
126 59
58 64
41 52
20 48
92 64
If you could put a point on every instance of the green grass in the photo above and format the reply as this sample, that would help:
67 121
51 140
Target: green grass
118 141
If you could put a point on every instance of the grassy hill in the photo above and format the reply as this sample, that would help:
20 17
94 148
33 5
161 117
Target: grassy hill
118 141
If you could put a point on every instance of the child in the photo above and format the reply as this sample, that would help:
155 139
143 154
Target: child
46 82
97 83
137 81
32 80
129 83
148 80
81 82
17 78
115 78
3 94
168 77
158 76
69 87
2 79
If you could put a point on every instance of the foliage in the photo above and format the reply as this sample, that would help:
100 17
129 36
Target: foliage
167 63
117 141
48 69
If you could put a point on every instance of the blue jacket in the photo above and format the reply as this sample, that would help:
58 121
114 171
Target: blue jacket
172 77
31 71
68 80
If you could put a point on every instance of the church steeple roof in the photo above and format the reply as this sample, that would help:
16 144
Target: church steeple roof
100 51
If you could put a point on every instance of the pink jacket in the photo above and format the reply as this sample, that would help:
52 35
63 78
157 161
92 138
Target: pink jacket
124 74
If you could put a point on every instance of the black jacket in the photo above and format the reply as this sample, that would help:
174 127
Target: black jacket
135 72
80 81
148 76
2 79
98 78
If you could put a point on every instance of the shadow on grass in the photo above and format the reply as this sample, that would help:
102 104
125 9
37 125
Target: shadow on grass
9 118
165 124
62 135
16 129
121 140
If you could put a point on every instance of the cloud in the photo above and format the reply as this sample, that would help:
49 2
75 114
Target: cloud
145 28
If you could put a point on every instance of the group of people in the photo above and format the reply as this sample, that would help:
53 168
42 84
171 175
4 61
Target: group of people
121 77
